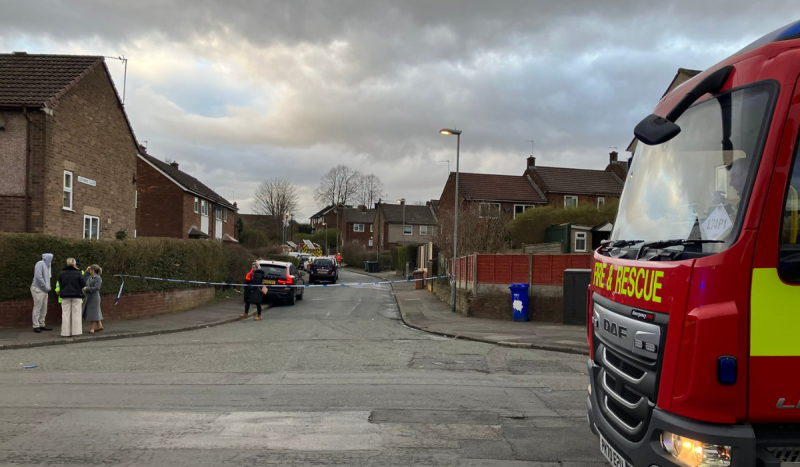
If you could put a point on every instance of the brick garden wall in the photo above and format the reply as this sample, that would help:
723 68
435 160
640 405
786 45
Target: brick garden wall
18 313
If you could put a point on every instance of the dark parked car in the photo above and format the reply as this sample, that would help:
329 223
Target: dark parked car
280 273
324 269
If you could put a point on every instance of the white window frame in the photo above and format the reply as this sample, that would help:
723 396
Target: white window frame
204 207
483 207
601 201
428 230
196 205
218 213
580 236
91 219
524 207
410 229
370 242
358 227
68 189
567 197
225 214
371 227
136 200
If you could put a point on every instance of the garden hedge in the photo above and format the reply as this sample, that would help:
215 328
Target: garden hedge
155 257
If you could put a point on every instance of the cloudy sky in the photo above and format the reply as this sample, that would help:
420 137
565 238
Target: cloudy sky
238 91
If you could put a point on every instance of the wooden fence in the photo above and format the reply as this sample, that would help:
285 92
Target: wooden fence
528 269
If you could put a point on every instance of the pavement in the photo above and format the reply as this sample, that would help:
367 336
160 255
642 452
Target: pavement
211 314
423 310
335 379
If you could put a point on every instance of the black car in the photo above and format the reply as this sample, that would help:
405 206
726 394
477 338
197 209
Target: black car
324 269
280 273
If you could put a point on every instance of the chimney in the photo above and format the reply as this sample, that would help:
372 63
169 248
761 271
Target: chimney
531 162
362 209
143 149
174 164
613 157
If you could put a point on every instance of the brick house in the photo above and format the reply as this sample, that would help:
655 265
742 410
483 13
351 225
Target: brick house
507 196
420 223
172 203
360 227
333 215
67 148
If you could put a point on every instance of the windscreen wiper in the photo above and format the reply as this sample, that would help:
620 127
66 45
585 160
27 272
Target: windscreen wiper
619 243
674 242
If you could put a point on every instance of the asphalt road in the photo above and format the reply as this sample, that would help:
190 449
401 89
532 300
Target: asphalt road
336 379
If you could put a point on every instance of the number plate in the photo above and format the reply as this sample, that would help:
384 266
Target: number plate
268 282
612 455
324 271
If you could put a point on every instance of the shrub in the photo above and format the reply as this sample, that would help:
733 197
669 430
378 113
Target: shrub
154 257
529 227
393 255
121 235
239 261
284 258
401 258
355 255
266 251
254 238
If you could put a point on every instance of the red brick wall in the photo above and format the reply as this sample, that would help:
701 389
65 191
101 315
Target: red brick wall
159 206
88 132
18 313
361 238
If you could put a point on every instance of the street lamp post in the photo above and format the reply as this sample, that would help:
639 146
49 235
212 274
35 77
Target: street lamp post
446 131
402 202
327 248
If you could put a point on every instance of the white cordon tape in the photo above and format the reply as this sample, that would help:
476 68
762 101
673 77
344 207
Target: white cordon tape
281 286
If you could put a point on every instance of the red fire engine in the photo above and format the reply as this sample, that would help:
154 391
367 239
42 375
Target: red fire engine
694 302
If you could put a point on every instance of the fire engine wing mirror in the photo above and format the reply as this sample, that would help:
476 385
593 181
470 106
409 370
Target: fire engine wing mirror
657 130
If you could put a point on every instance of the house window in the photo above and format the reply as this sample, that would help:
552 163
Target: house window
425 229
520 208
580 242
204 207
407 230
225 213
570 201
196 205
219 213
358 227
371 227
68 190
370 242
91 227
600 201
489 210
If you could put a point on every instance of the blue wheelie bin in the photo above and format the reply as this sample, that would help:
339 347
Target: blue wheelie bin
519 301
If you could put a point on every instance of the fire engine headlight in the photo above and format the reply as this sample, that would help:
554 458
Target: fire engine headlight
695 453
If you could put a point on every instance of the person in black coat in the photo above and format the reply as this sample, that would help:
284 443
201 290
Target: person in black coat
254 295
71 283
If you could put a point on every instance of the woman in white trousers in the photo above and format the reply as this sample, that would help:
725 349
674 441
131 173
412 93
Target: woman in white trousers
71 283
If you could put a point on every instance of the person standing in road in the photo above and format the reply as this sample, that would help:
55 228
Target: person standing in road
91 304
71 282
254 295
39 289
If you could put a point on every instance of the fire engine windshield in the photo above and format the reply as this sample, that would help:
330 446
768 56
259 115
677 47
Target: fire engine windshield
695 186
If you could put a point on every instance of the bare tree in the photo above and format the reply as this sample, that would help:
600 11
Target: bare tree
370 190
339 186
275 197
476 234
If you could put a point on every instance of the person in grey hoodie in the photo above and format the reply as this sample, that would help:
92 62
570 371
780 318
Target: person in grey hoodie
39 289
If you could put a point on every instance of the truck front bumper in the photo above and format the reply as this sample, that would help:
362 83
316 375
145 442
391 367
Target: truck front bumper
648 451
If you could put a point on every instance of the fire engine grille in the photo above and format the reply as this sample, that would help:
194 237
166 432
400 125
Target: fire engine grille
787 455
624 367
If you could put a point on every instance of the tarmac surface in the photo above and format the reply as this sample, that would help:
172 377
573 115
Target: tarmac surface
336 379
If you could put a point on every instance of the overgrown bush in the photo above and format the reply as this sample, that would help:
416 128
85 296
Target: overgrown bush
529 227
394 255
239 261
154 257
355 255
284 258
254 238
266 251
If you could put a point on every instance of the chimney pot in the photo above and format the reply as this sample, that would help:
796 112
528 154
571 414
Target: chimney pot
174 164
362 208
531 162
613 155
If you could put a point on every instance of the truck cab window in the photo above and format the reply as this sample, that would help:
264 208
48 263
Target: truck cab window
791 207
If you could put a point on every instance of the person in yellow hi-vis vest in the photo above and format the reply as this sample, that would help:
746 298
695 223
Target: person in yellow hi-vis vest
58 286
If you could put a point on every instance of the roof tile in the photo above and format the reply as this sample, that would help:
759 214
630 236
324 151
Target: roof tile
491 187
578 181
32 80
190 183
